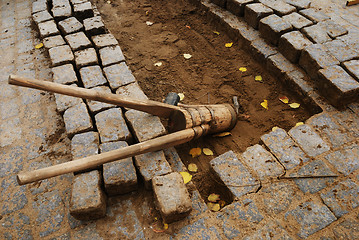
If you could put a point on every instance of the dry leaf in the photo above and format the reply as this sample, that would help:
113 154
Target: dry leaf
147 12
165 226
188 27
213 197
258 78
181 95
275 128
299 123
40 45
186 177
195 152
158 64
187 56
149 23
207 152
264 104
215 207
222 134
192 167
228 45
222 203
242 69
215 32
109 2
294 105
284 99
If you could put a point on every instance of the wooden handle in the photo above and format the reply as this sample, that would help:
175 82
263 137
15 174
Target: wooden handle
97 160
152 107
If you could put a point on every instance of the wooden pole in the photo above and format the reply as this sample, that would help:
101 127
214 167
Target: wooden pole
82 164
352 2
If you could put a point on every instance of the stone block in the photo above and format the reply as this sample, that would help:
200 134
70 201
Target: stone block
291 45
85 57
94 26
60 3
174 160
348 120
347 229
111 55
63 102
39 6
273 228
42 16
346 159
262 50
171 197
316 33
284 148
112 126
96 106
70 25
77 1
85 145
119 176
48 28
315 57
61 13
198 230
64 74
337 85
247 34
297 21
278 65
254 12
308 140
314 15
231 171
145 126
53 41
237 6
308 218
342 198
220 3
118 75
263 162
88 201
272 27
333 29
104 40
352 67
78 41
341 51
150 165
77 120
299 4
280 8
132 90
61 55
83 10
92 76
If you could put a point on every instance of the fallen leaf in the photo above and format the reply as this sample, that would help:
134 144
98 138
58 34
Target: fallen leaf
264 104
275 128
299 123
222 134
109 2
181 95
189 27
222 203
149 23
242 69
228 45
147 12
158 64
294 105
258 78
192 167
165 226
215 32
213 197
284 99
40 45
195 152
207 152
186 177
215 207
187 56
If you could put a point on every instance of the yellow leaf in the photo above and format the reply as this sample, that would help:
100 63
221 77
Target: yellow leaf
40 45
158 64
186 177
222 134
275 128
192 167
294 105
213 197
207 152
222 203
258 78
195 152
165 226
215 32
264 104
242 69
284 99
228 45
181 95
187 56
299 123
216 207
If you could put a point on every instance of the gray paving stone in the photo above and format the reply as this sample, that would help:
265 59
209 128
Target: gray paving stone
261 50
77 119
119 176
316 33
94 26
297 21
145 126
111 55
83 10
198 205
352 67
104 40
13 196
337 85
348 120
254 12
299 4
150 165
16 226
308 140
341 50
78 41
77 1
61 13
64 74
198 230
280 7
291 45
132 90
278 65
342 198
314 168
63 102
174 160
309 217
333 29
60 3
234 174
92 76
348 229
272 228
10 131
42 16
112 126
354 107
237 6
70 25
53 41
346 159
48 28
284 148
88 201
314 15
61 55
171 197
85 57
245 213
118 75
88 231
38 6
95 106
85 145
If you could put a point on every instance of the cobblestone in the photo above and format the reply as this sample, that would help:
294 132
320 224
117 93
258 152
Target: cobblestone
85 145
17 225
48 28
254 12
299 4
261 50
297 21
83 10
132 90
61 13
278 65
118 75
39 6
77 120
316 33
96 106
272 228
104 40
70 25
280 7
348 120
341 50
63 102
352 67
314 15
64 74
333 29
111 55
53 41
174 160
237 6
348 229
42 16
92 76
14 199
291 45
61 55
86 57
94 26
78 41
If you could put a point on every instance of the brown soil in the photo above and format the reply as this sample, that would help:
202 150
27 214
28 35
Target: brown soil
211 76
